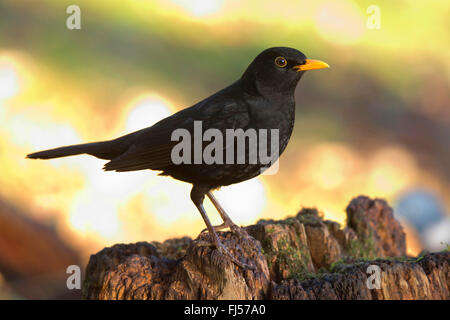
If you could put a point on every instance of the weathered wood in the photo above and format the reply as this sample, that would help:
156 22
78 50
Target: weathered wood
301 257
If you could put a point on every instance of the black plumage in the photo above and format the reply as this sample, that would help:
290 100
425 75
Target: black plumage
263 98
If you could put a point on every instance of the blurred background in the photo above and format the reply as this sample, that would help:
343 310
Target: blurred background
376 123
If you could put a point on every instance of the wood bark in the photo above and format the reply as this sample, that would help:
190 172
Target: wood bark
301 257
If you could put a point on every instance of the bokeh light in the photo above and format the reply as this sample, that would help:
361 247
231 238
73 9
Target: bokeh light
375 123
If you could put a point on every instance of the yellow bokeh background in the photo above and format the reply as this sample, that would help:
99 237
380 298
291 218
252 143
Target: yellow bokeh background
135 62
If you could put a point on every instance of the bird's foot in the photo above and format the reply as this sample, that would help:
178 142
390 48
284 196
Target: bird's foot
233 227
223 250
239 231
217 228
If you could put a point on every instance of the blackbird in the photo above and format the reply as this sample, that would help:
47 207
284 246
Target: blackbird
263 98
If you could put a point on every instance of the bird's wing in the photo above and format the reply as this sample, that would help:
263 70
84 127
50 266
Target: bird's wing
153 146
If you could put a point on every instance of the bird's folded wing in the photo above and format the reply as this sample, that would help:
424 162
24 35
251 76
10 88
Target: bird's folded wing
153 146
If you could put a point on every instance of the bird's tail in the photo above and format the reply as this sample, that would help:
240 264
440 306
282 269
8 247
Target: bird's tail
100 150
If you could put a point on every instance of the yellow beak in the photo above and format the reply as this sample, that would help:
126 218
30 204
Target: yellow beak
311 64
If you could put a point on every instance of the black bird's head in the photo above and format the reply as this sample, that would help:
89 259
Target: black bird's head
278 70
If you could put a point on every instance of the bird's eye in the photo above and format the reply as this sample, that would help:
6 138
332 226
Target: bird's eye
281 62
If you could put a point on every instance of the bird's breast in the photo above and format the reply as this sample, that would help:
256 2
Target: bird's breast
275 116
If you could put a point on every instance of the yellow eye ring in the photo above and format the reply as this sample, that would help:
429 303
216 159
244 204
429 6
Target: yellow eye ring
281 62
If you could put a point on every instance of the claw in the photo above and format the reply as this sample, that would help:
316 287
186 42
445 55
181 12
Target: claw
226 219
217 228
233 227
197 195
239 231
223 250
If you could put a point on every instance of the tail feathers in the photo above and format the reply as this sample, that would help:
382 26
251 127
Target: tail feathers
100 150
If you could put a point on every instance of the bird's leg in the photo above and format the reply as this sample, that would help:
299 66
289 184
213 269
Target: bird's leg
197 197
227 222
215 238
217 228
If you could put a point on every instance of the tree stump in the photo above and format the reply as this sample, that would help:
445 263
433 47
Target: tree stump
301 257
